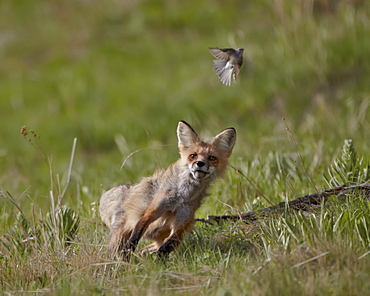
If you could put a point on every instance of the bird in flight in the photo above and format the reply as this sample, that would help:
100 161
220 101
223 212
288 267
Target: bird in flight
228 64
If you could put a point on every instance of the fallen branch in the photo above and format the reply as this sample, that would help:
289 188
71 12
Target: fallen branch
300 203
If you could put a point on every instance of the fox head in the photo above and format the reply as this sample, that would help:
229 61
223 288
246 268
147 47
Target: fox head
204 159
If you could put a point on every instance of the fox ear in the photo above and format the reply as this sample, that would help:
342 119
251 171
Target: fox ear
225 140
186 135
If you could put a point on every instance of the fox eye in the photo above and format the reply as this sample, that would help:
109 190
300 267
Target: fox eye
193 155
212 158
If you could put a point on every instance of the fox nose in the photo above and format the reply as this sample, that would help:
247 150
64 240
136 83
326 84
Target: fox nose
200 163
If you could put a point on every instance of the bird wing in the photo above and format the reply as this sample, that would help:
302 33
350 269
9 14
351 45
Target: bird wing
222 53
224 71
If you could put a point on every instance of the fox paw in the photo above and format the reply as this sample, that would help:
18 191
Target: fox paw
165 250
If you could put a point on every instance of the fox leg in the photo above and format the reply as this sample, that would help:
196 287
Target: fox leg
117 241
171 243
140 229
156 209
119 237
183 222
174 239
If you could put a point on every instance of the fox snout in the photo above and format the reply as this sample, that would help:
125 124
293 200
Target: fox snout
200 163
200 169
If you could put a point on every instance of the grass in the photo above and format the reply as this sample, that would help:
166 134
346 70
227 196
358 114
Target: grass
118 76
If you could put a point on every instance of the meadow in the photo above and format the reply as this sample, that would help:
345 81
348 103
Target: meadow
90 96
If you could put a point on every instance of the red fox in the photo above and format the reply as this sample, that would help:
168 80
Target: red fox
161 208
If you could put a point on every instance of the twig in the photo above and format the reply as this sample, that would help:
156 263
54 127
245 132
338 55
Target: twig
299 203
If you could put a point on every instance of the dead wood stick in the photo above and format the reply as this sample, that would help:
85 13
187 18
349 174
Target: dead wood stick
300 203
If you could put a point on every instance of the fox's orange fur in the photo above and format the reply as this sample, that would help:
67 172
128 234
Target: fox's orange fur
161 208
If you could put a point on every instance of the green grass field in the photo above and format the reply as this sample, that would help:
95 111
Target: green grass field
117 76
